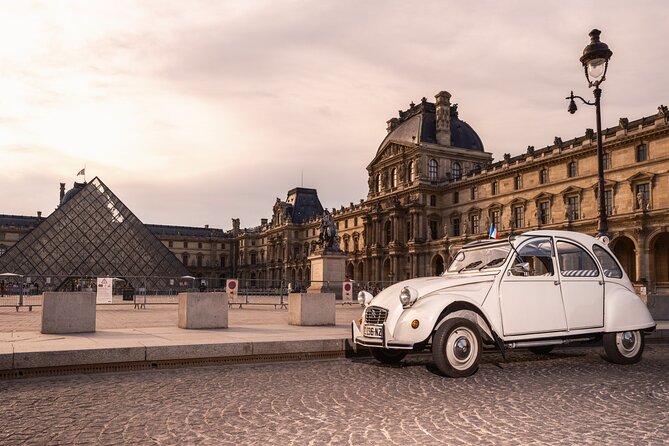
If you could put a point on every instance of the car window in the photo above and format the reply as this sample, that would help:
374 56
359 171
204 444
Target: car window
611 268
479 258
575 261
534 259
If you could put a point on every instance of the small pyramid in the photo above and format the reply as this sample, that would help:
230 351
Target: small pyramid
93 234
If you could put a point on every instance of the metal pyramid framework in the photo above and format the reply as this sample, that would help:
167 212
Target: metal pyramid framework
93 234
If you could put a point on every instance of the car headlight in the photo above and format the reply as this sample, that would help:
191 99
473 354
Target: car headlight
408 296
364 297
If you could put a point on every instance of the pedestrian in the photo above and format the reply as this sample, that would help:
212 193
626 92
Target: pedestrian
2 288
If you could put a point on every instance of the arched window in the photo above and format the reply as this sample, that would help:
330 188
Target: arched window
393 178
433 170
456 171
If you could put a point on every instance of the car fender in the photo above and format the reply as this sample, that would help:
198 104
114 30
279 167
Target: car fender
624 310
428 313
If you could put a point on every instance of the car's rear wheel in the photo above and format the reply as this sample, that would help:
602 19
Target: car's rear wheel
624 347
456 348
542 350
388 355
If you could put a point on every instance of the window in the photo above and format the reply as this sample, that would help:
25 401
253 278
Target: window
254 258
378 183
495 187
544 213
433 170
543 176
355 221
456 227
185 244
575 262
412 171
184 259
346 223
571 169
170 244
608 201
641 153
393 178
642 194
518 217
572 208
222 261
433 200
474 220
433 229
517 182
534 259
474 193
346 244
199 260
456 197
494 216
456 171
606 160
199 245
389 232
611 267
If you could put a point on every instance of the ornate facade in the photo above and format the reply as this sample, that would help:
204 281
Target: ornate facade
432 188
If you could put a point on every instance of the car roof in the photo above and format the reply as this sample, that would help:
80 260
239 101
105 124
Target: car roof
579 237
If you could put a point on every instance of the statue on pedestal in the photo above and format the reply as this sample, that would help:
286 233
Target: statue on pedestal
327 237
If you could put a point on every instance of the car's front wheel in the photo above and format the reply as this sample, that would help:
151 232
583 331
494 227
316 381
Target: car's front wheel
624 347
456 348
387 355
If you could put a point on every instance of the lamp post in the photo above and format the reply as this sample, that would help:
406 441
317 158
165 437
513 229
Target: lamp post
595 60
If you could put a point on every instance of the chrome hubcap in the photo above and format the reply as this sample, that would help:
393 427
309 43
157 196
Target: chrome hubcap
628 343
461 348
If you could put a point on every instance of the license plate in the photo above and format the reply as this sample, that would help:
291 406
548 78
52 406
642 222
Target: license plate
374 331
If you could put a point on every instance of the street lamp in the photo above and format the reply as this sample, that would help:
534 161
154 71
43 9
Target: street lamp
595 60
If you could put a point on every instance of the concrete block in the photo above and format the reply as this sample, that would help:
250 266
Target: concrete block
311 309
203 310
69 312
6 356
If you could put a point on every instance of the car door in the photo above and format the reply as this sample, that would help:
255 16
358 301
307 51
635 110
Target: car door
582 286
530 294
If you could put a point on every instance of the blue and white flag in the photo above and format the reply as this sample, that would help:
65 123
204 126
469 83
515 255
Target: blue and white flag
493 232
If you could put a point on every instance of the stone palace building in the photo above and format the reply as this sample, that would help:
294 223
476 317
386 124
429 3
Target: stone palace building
433 188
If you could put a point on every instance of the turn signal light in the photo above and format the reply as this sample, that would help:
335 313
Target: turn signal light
415 323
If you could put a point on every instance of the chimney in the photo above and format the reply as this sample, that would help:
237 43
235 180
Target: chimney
62 192
263 221
206 226
392 124
443 111
39 215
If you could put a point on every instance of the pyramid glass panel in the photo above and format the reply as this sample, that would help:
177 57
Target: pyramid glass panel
92 234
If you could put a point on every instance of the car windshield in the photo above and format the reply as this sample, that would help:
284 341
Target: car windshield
479 258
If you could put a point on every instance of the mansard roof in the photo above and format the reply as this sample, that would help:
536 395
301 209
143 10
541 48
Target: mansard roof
418 125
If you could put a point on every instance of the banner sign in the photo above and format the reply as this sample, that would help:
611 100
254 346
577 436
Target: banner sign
231 286
104 294
347 290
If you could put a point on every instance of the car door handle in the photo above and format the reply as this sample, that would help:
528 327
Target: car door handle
556 282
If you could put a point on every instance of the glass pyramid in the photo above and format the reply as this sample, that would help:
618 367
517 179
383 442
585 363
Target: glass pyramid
93 234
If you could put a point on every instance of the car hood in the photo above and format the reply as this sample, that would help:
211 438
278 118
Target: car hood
475 286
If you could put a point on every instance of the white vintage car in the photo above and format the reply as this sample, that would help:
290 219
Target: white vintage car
535 290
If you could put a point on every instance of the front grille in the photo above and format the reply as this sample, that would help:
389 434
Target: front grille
375 315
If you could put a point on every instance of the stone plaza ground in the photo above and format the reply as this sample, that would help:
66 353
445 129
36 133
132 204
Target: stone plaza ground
570 397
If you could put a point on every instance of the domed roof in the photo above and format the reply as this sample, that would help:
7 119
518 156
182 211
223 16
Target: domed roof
418 124
72 192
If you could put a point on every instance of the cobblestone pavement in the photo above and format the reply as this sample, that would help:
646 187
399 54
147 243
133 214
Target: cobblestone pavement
569 397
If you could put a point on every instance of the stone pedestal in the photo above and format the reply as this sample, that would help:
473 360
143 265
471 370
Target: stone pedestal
311 309
327 272
68 312
203 310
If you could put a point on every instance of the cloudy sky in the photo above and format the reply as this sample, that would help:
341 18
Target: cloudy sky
197 112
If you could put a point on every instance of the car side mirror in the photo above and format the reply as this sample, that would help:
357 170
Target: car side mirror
521 269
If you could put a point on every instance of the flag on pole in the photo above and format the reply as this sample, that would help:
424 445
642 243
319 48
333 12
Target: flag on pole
493 232
82 172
